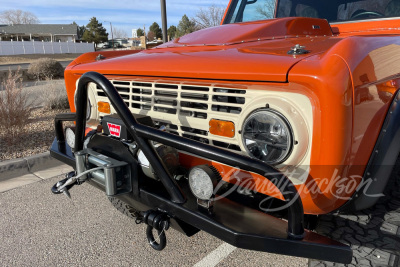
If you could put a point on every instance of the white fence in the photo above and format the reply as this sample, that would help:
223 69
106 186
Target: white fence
32 47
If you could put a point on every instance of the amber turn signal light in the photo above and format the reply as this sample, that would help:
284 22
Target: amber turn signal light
222 128
104 107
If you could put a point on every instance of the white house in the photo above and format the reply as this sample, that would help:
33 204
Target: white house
39 32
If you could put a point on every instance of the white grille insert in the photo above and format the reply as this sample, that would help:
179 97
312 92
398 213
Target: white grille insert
184 109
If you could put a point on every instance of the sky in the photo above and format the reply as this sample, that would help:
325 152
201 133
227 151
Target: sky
123 14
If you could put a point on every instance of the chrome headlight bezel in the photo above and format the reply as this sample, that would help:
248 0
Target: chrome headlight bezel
284 122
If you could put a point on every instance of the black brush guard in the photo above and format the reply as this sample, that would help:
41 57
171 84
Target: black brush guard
233 223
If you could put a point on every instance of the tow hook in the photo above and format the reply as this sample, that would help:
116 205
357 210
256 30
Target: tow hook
65 185
70 180
159 221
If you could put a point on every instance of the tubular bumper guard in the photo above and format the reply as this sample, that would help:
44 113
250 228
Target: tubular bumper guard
233 223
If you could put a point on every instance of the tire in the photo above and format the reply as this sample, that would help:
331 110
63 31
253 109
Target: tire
374 233
124 208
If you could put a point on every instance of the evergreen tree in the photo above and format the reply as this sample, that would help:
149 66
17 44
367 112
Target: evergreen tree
140 32
171 32
81 29
95 32
185 26
155 28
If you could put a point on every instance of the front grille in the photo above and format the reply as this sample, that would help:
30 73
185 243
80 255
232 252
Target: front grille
184 109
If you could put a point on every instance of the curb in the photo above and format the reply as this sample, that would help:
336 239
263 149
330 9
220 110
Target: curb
17 167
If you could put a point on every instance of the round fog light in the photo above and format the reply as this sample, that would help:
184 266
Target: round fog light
70 137
202 181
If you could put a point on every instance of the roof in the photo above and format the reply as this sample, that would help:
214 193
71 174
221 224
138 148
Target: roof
70 29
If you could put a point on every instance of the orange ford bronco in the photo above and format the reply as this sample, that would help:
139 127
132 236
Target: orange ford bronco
251 131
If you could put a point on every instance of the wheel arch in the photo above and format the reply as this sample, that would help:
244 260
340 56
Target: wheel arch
381 161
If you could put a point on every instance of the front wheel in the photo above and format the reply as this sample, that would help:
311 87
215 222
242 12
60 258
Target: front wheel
124 208
374 233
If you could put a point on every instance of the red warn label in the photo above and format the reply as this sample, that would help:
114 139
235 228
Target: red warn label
114 129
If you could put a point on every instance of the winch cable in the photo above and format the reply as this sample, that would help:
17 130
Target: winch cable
61 186
75 178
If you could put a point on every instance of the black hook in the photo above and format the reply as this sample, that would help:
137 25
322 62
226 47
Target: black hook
55 187
159 221
152 241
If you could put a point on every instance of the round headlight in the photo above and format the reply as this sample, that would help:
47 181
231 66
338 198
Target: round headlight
202 182
267 136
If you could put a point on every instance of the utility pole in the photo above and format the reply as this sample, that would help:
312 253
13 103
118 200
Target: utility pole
164 20
112 35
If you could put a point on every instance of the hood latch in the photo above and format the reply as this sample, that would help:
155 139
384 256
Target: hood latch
298 50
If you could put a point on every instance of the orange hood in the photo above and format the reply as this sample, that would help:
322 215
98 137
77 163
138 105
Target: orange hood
243 51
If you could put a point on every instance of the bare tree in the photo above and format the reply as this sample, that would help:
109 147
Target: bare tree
266 11
151 36
209 17
119 33
17 16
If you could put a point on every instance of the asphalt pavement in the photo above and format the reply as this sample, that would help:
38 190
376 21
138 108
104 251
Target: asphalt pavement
38 228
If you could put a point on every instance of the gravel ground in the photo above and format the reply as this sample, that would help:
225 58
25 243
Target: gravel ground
36 138
38 133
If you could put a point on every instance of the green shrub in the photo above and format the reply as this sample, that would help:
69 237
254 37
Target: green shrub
45 68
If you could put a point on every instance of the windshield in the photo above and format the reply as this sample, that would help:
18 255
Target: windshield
332 10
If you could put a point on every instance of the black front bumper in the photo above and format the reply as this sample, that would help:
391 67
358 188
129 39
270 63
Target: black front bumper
233 223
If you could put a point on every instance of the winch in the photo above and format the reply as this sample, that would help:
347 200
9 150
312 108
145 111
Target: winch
109 158
112 159
115 175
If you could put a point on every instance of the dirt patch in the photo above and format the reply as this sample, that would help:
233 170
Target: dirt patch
5 60
37 137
